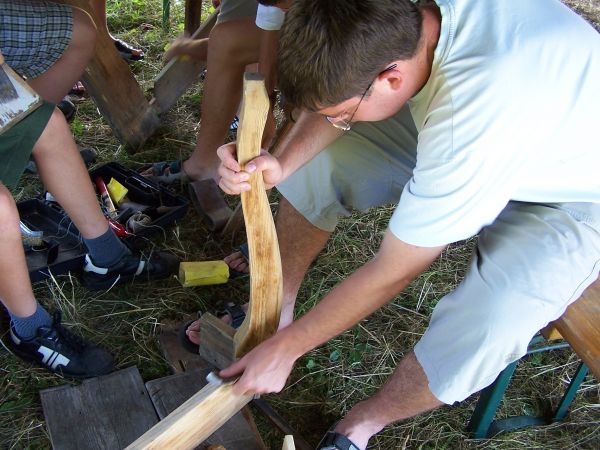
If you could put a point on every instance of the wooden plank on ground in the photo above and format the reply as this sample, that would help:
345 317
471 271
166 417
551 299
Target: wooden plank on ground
169 393
103 413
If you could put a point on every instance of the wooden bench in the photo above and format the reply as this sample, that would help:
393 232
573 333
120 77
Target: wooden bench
579 328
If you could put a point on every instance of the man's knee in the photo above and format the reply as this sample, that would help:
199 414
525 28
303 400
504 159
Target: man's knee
235 42
472 338
55 130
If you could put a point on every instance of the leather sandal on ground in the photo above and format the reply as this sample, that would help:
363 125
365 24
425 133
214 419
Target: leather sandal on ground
336 441
167 172
208 201
235 312
128 52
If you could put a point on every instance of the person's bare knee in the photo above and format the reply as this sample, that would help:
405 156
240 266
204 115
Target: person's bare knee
50 142
234 43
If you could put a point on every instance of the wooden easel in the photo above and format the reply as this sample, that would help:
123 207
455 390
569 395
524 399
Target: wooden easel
207 410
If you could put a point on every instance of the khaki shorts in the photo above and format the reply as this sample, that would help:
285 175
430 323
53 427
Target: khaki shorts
237 9
529 265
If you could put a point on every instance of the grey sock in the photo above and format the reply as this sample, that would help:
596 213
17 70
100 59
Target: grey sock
107 249
26 327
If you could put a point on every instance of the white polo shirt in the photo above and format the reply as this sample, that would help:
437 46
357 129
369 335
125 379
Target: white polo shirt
511 111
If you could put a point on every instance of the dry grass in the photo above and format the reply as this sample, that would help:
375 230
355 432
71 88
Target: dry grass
330 379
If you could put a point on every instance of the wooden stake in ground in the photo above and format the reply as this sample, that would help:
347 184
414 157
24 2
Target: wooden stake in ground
206 411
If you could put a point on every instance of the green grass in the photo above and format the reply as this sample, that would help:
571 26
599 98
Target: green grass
329 380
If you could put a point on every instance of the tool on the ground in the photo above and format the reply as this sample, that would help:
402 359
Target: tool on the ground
119 229
116 191
17 99
105 197
137 222
203 273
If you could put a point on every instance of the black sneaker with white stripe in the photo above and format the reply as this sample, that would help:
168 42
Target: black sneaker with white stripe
134 267
61 351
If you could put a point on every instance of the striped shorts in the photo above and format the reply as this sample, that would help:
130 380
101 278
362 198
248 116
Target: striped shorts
34 35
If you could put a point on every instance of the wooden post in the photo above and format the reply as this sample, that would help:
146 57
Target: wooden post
193 13
210 408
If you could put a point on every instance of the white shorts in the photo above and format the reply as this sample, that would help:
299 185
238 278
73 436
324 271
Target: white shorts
528 266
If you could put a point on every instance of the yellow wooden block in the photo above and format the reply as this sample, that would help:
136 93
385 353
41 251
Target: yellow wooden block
116 191
203 273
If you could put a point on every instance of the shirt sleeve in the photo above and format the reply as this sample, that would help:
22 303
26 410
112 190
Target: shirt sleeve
269 18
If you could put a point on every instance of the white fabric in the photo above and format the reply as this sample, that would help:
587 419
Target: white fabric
269 18
510 112
530 264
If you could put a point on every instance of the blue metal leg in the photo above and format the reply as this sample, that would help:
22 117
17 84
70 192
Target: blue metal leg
488 403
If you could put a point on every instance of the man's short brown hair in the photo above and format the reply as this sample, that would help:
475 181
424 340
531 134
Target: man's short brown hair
330 50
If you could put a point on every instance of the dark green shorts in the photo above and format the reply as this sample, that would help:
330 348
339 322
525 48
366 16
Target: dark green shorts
17 143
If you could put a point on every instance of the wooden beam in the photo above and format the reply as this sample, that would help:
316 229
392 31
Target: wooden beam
193 421
210 408
266 291
180 73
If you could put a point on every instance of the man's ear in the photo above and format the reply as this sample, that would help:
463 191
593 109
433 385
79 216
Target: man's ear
392 79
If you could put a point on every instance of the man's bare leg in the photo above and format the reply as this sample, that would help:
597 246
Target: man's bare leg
405 394
232 46
64 174
299 244
56 82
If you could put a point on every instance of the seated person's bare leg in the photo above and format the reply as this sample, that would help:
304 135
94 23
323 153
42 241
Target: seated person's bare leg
405 394
56 82
231 47
64 174
99 10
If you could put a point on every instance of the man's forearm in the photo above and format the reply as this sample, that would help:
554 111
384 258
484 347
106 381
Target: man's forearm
310 134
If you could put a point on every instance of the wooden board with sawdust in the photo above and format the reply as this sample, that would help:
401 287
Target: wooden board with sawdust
103 413
170 392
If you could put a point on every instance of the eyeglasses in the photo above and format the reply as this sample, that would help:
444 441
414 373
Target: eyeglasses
342 124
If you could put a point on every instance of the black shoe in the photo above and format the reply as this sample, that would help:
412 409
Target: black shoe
135 267
59 350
